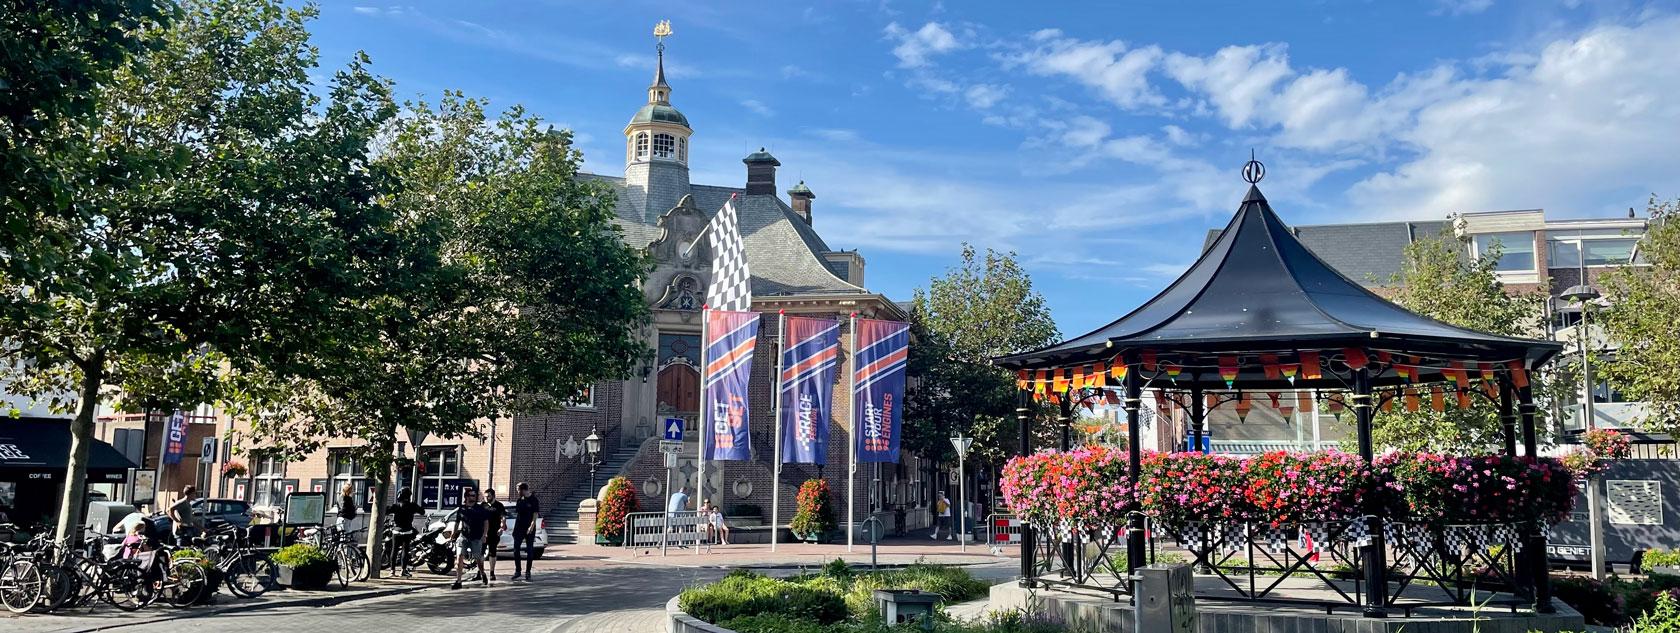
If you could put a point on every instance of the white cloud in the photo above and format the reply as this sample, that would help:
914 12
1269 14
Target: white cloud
1117 72
984 96
1236 79
758 107
1461 7
1084 131
915 48
367 10
836 135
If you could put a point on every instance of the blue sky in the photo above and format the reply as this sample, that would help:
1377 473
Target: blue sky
1100 143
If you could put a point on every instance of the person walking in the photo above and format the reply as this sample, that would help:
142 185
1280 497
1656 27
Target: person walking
472 521
184 524
525 511
942 516
678 503
498 524
347 508
402 528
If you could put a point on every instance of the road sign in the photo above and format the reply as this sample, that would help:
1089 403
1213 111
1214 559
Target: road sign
670 460
673 429
669 447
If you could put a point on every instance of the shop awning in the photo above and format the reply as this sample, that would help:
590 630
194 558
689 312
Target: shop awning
40 449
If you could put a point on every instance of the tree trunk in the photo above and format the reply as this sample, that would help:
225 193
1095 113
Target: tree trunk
81 436
376 518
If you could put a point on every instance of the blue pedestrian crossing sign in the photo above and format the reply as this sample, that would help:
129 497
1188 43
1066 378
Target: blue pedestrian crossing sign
673 429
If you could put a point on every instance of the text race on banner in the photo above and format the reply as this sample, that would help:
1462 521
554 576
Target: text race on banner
808 365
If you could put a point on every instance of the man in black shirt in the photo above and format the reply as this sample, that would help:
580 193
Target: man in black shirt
498 523
525 513
472 522
402 527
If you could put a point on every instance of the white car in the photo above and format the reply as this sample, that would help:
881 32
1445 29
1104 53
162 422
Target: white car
540 543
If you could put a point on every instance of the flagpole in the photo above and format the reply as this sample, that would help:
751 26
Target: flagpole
851 463
705 425
776 460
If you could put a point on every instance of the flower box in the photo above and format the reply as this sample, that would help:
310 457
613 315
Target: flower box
614 540
312 577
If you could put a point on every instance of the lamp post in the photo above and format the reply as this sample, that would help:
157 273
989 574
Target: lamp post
1583 295
592 453
961 444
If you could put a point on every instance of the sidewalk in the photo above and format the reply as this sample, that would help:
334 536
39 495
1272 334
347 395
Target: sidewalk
102 616
893 551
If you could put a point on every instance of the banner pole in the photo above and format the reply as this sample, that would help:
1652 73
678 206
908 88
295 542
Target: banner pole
851 463
776 460
705 426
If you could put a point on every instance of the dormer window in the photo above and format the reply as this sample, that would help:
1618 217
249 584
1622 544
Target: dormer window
664 146
682 149
1516 250
641 146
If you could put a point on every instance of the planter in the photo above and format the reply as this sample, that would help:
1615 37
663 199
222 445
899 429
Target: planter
213 579
308 578
820 539
1666 570
614 541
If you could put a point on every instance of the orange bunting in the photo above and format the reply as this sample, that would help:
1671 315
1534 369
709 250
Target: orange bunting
1173 371
1269 363
1149 359
1388 403
1305 398
1412 401
1519 376
1021 380
1384 357
1274 396
1289 370
1078 377
1463 399
1061 383
1460 376
1228 370
1437 400
1117 369
1356 358
1491 388
1098 377
1309 366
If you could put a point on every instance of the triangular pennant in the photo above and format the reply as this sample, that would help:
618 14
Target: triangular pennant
1021 380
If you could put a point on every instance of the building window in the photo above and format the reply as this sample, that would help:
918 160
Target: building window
641 145
585 399
682 149
343 469
1610 252
1516 250
664 146
443 466
269 473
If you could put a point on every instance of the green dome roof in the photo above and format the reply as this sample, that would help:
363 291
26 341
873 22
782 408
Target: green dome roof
655 113
801 188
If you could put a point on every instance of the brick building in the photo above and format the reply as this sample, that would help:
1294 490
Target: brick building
794 270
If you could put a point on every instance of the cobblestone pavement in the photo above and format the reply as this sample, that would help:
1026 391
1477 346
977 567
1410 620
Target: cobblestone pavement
578 589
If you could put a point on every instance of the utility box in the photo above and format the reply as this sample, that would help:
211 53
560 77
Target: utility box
907 606
103 517
1166 599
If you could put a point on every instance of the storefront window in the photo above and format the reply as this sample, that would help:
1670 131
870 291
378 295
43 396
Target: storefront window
439 487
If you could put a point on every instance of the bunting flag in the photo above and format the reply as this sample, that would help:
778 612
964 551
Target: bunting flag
1309 366
1099 375
1487 371
1305 399
1356 358
1228 370
1274 397
1519 377
1060 382
1117 369
809 360
878 387
1079 377
1173 371
729 353
1269 362
1021 380
1491 388
1405 372
1384 358
1437 399
1412 401
1388 402
1210 401
1289 370
1463 398
1149 359
1460 376
1244 405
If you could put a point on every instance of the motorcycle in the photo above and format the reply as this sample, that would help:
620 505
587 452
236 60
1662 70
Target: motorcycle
436 546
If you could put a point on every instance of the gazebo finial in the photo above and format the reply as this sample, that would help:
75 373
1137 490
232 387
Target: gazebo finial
1253 171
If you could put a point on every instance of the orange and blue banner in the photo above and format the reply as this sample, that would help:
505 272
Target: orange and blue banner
808 365
731 338
879 363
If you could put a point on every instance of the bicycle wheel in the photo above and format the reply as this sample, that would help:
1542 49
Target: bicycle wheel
360 563
59 588
89 581
21 585
127 586
183 583
250 576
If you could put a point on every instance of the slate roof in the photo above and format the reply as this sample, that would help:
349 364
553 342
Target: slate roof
1259 289
1366 253
783 251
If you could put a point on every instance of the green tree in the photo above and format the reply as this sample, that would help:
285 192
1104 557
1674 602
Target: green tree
1438 279
979 310
198 220
1644 300
508 287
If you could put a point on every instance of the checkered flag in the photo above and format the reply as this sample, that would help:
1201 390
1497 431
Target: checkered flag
731 287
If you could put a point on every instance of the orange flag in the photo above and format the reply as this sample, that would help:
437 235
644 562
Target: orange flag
1437 399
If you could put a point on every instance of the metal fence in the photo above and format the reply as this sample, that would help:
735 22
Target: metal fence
664 530
1002 530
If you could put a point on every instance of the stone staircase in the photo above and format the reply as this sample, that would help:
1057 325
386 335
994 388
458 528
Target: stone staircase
561 517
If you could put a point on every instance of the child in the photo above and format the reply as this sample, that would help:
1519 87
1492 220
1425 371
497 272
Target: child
135 542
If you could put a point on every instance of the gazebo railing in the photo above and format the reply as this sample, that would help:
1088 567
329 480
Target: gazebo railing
1429 565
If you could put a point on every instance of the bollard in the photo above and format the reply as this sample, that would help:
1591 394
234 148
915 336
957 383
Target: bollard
1165 600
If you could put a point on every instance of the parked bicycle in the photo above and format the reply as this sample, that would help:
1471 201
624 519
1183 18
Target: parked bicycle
345 548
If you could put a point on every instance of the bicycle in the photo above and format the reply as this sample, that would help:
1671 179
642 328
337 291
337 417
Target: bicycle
344 548
247 572
181 582
21 582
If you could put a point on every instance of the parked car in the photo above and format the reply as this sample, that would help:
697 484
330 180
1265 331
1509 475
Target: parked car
213 511
540 543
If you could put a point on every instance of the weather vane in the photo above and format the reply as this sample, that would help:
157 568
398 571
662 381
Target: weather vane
661 31
1253 170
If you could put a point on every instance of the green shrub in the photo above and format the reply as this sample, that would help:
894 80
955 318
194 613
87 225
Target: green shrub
778 623
1664 616
952 583
193 554
301 556
838 569
1593 599
743 593
1659 558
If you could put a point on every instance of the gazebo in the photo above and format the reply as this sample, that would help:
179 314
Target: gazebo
1259 312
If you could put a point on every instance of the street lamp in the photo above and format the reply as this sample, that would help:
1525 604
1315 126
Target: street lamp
592 453
1583 295
961 444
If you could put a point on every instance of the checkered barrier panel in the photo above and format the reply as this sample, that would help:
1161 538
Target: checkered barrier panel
1005 529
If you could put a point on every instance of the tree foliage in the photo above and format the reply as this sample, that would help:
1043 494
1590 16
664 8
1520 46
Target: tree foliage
982 309
1439 280
1644 301
197 218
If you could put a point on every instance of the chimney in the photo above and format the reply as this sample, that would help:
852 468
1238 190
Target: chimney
761 173
801 196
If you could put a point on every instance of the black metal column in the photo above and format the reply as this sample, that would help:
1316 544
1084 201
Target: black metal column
1029 545
1134 467
1067 420
1507 418
1534 550
1198 415
1376 557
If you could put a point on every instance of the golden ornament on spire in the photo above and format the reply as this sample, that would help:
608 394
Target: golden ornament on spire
662 30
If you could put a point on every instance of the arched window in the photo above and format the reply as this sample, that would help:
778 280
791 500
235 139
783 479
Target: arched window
641 145
682 149
664 146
